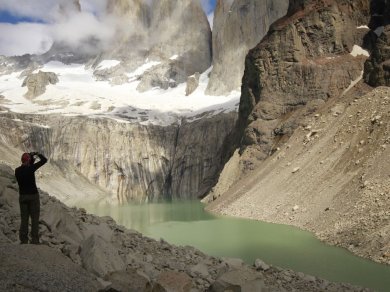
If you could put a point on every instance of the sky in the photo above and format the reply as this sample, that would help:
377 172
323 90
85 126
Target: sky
31 26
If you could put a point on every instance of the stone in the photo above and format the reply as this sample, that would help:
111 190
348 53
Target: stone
129 281
200 269
170 281
233 262
238 281
260 265
192 83
100 257
58 220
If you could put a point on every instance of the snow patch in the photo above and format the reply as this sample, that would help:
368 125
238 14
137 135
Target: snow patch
174 57
363 26
106 64
357 51
78 93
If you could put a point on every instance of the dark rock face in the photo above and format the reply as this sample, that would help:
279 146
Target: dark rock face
377 67
36 83
303 59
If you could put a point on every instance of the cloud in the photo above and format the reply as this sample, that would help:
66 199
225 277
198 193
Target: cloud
81 27
61 23
24 38
70 27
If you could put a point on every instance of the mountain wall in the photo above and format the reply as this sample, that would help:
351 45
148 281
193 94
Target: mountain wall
238 26
314 136
304 60
131 161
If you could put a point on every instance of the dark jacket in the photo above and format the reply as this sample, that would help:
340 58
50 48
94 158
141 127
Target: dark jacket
25 175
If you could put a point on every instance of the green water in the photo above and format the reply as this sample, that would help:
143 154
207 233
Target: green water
186 223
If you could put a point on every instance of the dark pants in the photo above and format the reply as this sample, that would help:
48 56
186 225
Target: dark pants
29 207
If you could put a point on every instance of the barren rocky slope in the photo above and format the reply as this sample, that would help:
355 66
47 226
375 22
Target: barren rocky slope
314 151
331 177
85 253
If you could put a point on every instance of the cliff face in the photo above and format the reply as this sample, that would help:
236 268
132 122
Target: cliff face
314 135
238 26
377 67
131 161
304 60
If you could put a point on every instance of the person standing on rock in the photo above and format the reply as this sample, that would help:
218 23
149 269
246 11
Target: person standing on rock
29 196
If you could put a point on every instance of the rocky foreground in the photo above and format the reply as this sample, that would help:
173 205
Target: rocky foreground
83 252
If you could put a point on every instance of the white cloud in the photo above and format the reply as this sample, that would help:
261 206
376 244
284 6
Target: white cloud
81 27
23 38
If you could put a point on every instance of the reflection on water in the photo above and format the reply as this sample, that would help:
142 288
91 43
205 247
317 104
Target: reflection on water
186 223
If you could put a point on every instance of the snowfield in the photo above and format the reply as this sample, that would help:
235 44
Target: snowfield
78 93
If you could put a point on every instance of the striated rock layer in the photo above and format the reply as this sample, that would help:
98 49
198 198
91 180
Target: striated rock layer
131 161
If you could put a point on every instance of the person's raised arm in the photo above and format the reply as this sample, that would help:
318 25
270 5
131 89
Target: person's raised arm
42 160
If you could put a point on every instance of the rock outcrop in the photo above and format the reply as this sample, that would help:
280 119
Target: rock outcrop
238 26
36 83
192 83
304 60
175 33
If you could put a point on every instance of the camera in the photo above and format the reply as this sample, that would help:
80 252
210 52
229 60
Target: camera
32 158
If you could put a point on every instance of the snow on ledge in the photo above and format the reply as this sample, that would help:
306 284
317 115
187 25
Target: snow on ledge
357 51
106 64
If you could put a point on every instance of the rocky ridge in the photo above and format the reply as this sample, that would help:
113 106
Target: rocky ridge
84 252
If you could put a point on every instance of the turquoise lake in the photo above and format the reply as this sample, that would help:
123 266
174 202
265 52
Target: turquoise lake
186 223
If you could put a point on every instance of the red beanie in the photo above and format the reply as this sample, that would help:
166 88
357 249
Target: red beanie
26 157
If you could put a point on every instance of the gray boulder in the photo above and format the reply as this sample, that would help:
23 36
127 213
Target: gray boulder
239 281
170 281
100 257
128 281
36 83
58 220
192 83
